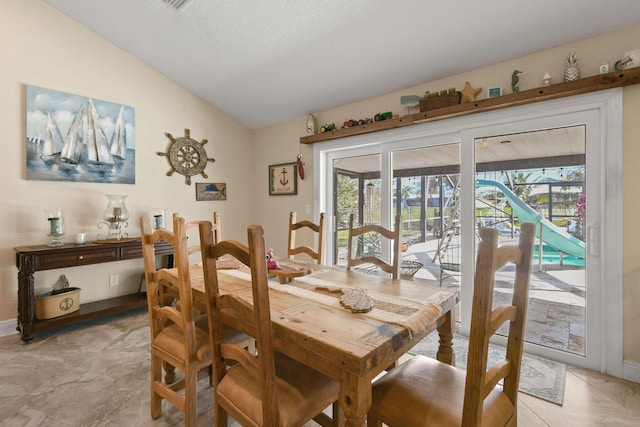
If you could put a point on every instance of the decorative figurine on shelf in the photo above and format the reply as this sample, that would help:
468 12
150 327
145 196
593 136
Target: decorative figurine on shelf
410 101
604 67
546 79
311 124
300 162
383 116
469 93
328 128
272 264
514 81
571 73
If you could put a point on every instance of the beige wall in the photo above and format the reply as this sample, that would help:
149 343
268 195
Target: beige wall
42 47
280 143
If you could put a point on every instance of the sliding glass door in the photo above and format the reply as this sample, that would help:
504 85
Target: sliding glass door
557 164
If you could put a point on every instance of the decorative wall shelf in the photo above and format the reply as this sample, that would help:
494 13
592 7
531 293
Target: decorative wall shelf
544 93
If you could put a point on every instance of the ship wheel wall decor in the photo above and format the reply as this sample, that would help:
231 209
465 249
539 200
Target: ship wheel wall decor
186 156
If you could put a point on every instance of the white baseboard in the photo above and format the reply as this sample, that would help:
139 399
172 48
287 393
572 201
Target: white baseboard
8 327
631 371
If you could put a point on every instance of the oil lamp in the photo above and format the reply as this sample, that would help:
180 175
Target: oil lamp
115 216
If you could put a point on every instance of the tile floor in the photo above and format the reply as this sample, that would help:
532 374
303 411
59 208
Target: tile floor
96 374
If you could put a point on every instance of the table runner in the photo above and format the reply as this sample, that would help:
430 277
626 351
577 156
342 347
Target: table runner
413 315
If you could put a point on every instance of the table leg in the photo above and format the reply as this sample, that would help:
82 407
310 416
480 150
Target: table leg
445 330
26 298
355 399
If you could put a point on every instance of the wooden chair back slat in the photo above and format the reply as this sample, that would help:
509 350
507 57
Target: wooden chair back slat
394 236
293 250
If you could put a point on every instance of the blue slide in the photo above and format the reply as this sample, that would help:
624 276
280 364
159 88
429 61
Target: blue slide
552 235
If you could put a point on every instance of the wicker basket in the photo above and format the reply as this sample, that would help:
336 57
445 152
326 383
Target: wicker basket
50 305
409 268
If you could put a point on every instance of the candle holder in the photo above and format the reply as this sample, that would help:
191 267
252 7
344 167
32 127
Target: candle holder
159 219
115 216
54 225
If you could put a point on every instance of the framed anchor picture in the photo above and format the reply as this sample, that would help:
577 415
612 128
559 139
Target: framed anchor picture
283 179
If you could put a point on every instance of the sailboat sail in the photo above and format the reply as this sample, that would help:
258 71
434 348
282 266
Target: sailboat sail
70 154
99 157
53 141
119 137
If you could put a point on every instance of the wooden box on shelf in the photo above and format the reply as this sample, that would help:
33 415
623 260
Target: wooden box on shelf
435 101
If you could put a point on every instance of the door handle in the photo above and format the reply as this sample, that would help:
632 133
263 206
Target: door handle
593 240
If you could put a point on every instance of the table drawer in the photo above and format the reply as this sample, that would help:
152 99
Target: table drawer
132 252
76 258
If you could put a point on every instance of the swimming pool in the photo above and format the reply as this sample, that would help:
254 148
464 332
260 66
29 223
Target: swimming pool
551 255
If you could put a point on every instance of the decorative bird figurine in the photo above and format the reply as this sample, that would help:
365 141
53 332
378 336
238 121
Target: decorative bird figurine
272 264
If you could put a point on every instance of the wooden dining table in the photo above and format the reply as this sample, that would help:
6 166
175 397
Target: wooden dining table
313 327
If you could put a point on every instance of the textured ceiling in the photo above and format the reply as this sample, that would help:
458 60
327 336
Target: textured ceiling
263 62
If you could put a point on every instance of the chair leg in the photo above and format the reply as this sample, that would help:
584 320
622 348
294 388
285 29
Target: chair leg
373 421
337 414
190 393
156 378
220 416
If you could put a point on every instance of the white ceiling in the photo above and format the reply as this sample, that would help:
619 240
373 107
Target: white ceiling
263 62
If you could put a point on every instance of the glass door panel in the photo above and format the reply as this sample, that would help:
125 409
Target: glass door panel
358 192
539 177
426 193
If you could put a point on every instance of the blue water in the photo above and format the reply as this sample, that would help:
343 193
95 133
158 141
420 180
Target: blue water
122 173
551 255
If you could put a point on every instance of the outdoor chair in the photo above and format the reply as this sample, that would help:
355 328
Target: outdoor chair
426 392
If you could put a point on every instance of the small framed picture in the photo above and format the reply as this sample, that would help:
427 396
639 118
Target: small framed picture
492 92
206 191
283 179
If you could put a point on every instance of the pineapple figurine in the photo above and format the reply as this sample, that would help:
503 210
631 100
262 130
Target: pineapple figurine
571 73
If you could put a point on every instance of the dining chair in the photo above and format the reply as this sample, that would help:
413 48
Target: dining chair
267 389
375 233
193 225
216 227
294 226
201 311
426 392
175 339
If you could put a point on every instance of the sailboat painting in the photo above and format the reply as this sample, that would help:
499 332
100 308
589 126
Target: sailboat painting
78 139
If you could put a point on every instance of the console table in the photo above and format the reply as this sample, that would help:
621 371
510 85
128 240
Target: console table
30 259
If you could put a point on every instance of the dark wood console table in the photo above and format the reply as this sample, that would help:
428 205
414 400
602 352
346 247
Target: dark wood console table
30 259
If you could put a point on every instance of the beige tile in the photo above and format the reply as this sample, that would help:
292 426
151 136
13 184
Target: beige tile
96 374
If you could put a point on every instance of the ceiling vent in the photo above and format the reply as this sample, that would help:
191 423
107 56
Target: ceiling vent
177 4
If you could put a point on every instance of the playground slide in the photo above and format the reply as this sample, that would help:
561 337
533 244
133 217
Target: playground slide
551 234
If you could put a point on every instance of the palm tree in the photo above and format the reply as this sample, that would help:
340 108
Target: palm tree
515 184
